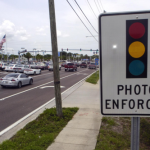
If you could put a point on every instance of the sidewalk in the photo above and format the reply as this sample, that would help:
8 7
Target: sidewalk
81 132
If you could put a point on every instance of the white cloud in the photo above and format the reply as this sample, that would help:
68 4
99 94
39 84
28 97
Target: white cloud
65 35
8 28
58 33
22 34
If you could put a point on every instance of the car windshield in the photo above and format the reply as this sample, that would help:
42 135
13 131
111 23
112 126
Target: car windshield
11 65
5 64
70 64
14 75
92 63
19 65
83 63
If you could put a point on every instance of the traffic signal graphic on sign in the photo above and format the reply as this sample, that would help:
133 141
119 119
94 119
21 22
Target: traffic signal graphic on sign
136 48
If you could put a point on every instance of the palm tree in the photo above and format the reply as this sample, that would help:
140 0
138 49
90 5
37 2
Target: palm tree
28 56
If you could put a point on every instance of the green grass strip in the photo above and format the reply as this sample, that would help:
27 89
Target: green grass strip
93 78
40 133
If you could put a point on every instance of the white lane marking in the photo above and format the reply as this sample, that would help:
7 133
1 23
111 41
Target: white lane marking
3 72
28 115
82 74
50 86
40 75
35 87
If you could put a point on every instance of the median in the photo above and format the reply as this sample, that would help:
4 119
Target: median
93 78
40 133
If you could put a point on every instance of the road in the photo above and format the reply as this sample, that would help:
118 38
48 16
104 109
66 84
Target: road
15 103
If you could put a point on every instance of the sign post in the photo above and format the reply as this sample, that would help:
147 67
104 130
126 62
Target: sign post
124 67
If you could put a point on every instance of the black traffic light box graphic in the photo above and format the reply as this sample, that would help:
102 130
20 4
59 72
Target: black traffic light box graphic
136 48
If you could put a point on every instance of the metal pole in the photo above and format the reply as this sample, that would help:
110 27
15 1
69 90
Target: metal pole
135 133
19 57
55 59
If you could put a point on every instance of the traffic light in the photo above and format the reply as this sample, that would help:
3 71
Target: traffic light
80 49
136 48
67 49
91 50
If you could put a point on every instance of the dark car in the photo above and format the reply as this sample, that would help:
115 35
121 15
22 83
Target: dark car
70 67
83 65
77 64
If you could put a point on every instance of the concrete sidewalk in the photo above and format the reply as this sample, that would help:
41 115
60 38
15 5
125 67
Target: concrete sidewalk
81 132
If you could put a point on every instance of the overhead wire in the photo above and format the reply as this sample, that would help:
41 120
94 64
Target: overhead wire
96 5
81 20
92 9
85 16
99 6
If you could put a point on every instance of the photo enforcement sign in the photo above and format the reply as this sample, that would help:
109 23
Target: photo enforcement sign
124 43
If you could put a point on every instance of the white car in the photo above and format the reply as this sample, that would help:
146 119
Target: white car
50 67
10 67
32 71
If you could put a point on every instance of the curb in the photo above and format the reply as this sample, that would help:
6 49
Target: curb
15 127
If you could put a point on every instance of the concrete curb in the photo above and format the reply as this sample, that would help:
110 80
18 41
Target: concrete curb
14 128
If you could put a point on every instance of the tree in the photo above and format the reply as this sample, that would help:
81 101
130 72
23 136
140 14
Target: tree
39 57
28 56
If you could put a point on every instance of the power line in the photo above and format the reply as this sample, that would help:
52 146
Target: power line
81 20
96 5
91 9
99 6
85 15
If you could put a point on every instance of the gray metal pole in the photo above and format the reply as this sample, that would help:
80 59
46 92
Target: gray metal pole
135 133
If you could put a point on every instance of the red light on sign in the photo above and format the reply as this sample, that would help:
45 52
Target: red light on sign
136 30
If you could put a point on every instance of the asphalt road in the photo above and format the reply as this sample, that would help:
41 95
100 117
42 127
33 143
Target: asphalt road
16 103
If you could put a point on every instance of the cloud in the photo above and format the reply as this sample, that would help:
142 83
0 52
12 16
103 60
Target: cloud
58 33
65 35
22 34
8 28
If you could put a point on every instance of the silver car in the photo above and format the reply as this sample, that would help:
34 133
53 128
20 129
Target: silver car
15 80
20 68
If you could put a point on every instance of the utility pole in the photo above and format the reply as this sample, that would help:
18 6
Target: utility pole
55 59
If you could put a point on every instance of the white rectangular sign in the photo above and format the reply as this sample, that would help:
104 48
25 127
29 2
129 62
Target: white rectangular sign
125 63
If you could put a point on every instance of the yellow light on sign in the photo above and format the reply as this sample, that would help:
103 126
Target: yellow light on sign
136 49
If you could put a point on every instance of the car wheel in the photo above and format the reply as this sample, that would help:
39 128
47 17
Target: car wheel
65 69
76 69
31 81
19 85
2 86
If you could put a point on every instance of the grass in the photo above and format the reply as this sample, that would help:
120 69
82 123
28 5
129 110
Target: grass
115 134
93 78
40 133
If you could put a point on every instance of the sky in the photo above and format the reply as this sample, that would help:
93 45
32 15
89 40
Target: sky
26 23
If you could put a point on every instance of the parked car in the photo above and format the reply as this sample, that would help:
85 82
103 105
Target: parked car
10 67
83 65
3 66
70 66
77 64
30 70
20 68
50 67
41 66
63 64
92 66
15 80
